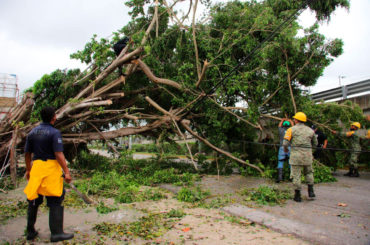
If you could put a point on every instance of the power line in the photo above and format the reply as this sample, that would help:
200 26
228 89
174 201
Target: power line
300 146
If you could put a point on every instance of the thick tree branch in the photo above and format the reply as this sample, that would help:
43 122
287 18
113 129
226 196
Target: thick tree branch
187 145
205 66
272 117
119 132
197 63
121 79
232 113
289 80
109 144
152 77
73 107
184 123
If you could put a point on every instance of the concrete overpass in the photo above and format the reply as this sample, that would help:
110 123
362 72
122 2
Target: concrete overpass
358 93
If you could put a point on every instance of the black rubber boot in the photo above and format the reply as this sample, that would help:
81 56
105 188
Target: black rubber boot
310 191
355 173
31 221
297 196
280 175
56 225
350 172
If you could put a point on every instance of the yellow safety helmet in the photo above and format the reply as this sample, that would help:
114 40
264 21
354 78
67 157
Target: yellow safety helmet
300 116
356 124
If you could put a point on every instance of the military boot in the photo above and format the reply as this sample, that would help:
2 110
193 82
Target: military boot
310 191
56 225
280 175
350 172
31 220
355 173
297 196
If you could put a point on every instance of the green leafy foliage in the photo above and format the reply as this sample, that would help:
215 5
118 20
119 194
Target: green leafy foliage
267 195
219 202
175 149
6 183
104 209
147 227
72 200
331 113
192 194
89 161
53 89
122 179
176 213
234 29
11 209
322 173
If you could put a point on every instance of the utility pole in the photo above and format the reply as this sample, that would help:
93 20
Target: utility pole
340 77
344 88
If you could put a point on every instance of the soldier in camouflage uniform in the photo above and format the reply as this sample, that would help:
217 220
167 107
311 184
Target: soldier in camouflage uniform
301 138
354 138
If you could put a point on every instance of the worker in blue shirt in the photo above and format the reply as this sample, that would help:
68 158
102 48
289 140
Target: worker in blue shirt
44 164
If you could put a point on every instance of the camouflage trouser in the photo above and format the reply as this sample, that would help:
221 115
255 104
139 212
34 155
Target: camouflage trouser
295 173
353 160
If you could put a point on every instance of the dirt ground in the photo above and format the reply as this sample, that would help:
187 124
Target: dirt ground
197 226
340 214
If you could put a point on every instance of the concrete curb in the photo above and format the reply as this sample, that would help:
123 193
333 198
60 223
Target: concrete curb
286 226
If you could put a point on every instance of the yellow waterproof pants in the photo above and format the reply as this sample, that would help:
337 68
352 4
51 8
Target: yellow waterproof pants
45 179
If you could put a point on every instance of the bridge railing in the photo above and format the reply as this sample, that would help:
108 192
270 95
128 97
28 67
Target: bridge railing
342 92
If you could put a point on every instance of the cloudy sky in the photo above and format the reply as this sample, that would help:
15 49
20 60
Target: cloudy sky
37 36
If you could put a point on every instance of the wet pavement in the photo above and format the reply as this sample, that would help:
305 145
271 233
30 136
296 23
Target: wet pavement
340 213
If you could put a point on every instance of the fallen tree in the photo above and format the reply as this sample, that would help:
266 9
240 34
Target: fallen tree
182 68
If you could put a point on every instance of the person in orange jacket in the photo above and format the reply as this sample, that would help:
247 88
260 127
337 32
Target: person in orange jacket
44 164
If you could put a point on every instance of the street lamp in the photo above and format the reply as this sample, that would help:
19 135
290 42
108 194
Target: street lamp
340 77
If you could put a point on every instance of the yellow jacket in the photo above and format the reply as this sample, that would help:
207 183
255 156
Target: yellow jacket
45 179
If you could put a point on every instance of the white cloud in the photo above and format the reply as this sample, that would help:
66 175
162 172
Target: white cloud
37 36
353 28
